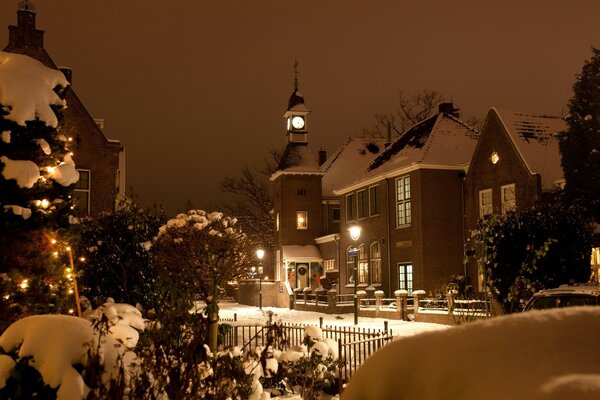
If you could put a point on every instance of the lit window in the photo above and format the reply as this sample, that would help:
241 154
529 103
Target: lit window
350 208
361 197
376 262
373 201
405 277
363 265
301 220
81 193
403 207
485 203
509 201
330 266
277 222
350 266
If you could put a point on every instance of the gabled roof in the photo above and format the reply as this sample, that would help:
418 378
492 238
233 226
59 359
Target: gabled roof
350 160
441 141
536 139
297 159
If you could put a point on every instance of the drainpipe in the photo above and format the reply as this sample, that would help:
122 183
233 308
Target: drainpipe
388 239
462 176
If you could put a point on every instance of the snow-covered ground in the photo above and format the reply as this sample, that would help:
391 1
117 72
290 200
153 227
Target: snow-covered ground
255 315
551 354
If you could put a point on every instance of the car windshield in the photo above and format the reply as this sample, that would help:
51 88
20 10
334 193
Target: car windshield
567 300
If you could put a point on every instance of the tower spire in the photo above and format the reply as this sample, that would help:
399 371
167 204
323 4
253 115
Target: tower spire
295 74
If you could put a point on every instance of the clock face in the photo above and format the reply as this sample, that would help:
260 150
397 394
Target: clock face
298 122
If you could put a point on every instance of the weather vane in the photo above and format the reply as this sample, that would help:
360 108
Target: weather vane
26 5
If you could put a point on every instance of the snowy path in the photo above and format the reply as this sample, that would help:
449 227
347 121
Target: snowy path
254 314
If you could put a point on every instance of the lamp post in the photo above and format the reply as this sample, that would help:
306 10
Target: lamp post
354 235
260 253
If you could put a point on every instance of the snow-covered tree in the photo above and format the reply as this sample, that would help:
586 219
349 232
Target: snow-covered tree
36 177
580 144
196 254
115 249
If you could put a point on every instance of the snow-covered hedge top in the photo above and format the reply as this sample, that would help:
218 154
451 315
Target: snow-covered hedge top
200 219
26 87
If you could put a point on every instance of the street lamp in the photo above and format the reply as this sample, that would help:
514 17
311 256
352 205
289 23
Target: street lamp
354 235
260 253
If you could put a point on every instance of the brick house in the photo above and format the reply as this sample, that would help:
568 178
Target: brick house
515 165
409 204
99 160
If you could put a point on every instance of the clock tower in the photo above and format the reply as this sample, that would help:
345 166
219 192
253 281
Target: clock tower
296 114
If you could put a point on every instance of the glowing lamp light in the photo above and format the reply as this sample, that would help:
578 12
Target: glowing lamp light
7 297
42 203
82 259
24 284
260 253
494 158
355 231
70 139
70 291
55 254
71 311
53 241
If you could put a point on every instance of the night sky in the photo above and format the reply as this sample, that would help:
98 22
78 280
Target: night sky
197 89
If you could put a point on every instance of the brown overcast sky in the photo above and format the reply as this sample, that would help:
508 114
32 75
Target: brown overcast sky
196 89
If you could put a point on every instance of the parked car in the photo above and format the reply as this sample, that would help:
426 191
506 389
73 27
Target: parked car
565 296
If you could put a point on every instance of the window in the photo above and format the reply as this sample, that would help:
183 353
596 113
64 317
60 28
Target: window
373 201
362 203
277 221
350 211
376 263
350 266
509 201
336 214
363 265
485 202
301 220
330 266
81 193
405 277
403 210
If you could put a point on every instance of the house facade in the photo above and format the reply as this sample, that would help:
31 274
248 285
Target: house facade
99 160
515 166
409 204
406 195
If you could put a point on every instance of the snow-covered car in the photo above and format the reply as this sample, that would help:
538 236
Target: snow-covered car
565 296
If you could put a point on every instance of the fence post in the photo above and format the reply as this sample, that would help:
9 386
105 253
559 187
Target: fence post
331 299
402 304
450 297
378 300
321 322
385 327
340 380
318 292
296 296
418 295
361 295
306 291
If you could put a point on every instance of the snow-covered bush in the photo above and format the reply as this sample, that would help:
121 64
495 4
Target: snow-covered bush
70 358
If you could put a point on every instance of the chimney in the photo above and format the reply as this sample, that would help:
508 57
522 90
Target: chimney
388 140
448 108
322 156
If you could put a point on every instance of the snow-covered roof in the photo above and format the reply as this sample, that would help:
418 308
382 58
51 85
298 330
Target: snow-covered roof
306 253
441 142
351 159
27 88
536 139
297 159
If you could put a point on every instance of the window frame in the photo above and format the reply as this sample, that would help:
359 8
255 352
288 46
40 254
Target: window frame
374 203
350 207
375 261
408 272
483 208
403 202
350 265
363 265
298 225
87 191
505 204
361 204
